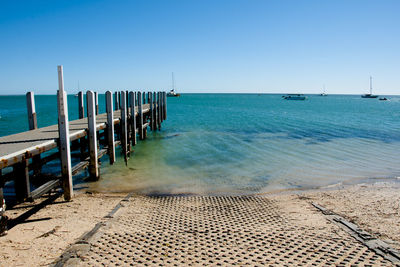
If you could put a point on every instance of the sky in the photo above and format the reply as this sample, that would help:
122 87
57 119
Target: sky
220 46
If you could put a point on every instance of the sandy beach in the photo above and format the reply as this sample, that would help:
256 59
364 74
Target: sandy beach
45 235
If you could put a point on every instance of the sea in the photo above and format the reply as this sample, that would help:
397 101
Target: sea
227 144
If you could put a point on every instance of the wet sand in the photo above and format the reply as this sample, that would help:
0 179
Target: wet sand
41 239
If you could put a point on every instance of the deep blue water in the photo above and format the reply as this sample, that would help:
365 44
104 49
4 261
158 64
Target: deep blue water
234 143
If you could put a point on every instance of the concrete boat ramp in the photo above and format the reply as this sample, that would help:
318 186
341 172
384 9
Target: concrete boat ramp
223 231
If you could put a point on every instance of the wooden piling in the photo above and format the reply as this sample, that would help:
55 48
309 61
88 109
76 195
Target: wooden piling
81 112
110 127
119 99
165 105
92 134
64 140
21 180
159 110
116 100
155 111
140 111
161 107
81 107
32 119
150 95
133 117
124 128
96 97
30 102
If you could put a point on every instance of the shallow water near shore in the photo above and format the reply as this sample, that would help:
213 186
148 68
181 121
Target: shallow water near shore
240 144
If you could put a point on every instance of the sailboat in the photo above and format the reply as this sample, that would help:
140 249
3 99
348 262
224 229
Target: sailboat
172 92
370 95
323 94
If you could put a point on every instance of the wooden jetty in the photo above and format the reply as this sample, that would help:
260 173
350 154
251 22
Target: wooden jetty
23 155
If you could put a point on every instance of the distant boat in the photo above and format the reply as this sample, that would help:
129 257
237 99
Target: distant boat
323 94
172 92
294 97
370 95
383 99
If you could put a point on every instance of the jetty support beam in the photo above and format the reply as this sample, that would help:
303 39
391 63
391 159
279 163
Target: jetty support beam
64 141
94 163
21 180
150 95
133 118
124 128
165 105
110 127
32 119
81 112
140 111
116 100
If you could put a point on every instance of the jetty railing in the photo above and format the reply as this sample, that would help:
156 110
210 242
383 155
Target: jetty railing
82 142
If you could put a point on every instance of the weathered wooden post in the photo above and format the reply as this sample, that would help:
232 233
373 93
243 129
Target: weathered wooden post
21 180
96 97
155 111
140 111
124 128
64 141
150 95
116 100
81 110
119 99
159 111
32 119
110 127
165 105
161 107
94 163
81 107
133 117
30 102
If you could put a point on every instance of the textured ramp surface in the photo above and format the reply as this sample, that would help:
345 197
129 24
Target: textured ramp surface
160 231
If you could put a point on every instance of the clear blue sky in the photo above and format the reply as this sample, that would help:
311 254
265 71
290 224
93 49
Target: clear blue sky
211 45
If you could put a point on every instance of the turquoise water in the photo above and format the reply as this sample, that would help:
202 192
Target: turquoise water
231 143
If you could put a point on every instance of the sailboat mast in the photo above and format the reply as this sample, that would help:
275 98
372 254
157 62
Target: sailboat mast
173 82
370 85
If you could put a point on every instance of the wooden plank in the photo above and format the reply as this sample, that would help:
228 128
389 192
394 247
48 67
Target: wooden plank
64 140
116 98
124 128
150 95
21 180
133 117
44 188
110 127
94 163
140 111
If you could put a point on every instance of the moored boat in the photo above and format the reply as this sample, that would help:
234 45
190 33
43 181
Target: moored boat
172 92
370 95
294 97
